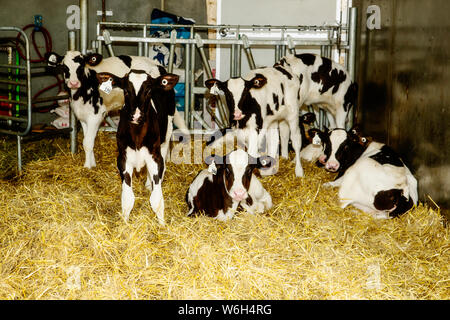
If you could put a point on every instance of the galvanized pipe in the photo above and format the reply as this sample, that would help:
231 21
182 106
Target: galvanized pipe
290 44
353 21
173 38
187 83
248 52
73 120
83 26
108 42
221 103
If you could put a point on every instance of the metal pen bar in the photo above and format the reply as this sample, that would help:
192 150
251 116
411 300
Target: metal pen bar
9 66
73 119
18 119
248 52
22 103
307 42
51 98
173 38
19 83
353 20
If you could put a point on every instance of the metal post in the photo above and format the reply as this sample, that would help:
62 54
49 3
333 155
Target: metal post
83 26
173 38
73 119
248 52
232 61
108 42
221 103
291 45
144 31
192 82
19 154
187 83
351 63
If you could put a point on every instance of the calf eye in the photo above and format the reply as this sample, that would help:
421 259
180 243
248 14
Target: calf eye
164 82
363 140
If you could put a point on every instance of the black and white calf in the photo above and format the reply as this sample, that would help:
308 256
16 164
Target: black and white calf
371 176
257 103
89 104
144 132
228 183
324 84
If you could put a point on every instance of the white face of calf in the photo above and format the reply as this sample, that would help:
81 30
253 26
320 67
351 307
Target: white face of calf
337 138
237 169
73 65
237 94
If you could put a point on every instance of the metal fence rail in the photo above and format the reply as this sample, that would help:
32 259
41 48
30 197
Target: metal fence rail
327 38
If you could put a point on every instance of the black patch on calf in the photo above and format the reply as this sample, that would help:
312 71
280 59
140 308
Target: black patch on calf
283 71
126 60
269 111
307 58
212 197
388 199
127 179
387 156
282 88
328 77
276 101
351 96
88 82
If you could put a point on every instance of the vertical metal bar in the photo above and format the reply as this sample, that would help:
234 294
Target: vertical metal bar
146 44
173 39
140 49
248 52
73 119
108 42
232 61
192 82
221 103
83 26
291 45
187 61
353 18
19 153
99 47
277 53
238 60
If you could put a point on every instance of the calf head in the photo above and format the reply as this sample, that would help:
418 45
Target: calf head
343 148
73 65
138 87
237 94
236 169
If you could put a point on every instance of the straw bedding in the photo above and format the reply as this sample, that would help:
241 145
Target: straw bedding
62 237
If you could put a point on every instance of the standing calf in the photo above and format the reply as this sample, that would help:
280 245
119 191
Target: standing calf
371 176
228 183
144 132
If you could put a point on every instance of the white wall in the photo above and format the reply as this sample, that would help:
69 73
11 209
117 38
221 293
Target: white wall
270 12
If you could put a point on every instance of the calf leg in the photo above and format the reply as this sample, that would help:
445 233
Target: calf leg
155 167
126 174
296 139
284 139
90 129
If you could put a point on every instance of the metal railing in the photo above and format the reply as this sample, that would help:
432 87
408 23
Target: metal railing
326 38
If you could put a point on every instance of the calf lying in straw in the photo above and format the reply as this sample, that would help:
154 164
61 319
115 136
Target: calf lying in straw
228 183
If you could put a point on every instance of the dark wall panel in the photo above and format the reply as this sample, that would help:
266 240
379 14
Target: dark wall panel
404 77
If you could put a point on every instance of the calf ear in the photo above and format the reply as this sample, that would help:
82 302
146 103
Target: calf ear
214 158
93 59
265 162
103 77
356 130
312 133
258 81
167 81
214 86
308 118
53 59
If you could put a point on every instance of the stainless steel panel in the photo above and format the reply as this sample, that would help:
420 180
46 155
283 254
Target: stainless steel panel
404 79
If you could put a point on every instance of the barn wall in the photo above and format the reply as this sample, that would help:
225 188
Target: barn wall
404 78
20 13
